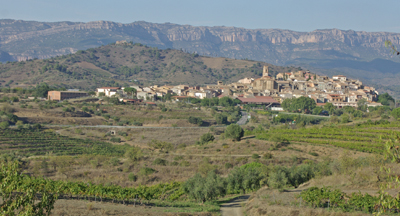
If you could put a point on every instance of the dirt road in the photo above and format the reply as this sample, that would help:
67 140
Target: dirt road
234 207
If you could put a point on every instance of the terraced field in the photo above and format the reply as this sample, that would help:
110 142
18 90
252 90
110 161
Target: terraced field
39 143
362 137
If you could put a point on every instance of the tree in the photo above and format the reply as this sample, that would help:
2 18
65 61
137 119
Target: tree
226 101
317 110
362 104
202 189
304 104
385 99
330 108
234 131
248 177
221 119
130 90
42 89
195 120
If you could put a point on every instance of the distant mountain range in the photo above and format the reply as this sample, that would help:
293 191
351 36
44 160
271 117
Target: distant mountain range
331 51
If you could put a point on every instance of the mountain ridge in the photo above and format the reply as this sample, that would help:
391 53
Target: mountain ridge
324 49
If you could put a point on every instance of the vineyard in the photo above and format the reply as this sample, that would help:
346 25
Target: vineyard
29 142
19 191
326 198
361 137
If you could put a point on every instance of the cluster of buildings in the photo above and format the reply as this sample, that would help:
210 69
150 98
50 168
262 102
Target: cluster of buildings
266 90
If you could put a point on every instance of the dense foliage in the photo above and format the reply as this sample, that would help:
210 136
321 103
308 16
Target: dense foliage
234 132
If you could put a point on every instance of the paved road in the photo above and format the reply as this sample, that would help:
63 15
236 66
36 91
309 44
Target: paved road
322 116
114 126
243 120
234 207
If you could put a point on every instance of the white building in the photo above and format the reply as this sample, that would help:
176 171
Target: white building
108 91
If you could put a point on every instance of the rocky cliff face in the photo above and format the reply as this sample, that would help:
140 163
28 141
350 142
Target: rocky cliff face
23 40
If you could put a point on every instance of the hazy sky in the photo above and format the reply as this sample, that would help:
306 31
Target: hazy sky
299 15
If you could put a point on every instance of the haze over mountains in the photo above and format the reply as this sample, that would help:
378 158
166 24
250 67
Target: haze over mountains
356 54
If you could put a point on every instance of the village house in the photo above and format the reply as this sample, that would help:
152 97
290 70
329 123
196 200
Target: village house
108 91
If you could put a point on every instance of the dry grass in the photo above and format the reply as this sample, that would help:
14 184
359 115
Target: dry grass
81 208
271 202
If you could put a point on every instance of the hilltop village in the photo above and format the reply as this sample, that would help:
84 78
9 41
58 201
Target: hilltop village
266 90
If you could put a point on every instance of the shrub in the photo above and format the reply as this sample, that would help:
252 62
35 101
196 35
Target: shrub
135 123
204 188
255 156
174 163
206 138
115 139
134 154
234 132
159 161
185 163
132 177
4 125
396 113
228 166
195 120
313 153
178 158
221 119
122 133
145 171
164 109
114 161
267 156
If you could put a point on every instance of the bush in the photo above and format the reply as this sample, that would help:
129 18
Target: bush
185 163
205 188
145 171
396 113
313 153
195 120
267 156
115 139
228 166
135 123
132 177
174 163
234 132
255 156
178 158
221 119
114 161
160 162
248 177
206 138
4 125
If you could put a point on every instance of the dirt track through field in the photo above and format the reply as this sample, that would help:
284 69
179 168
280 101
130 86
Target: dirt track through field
234 207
